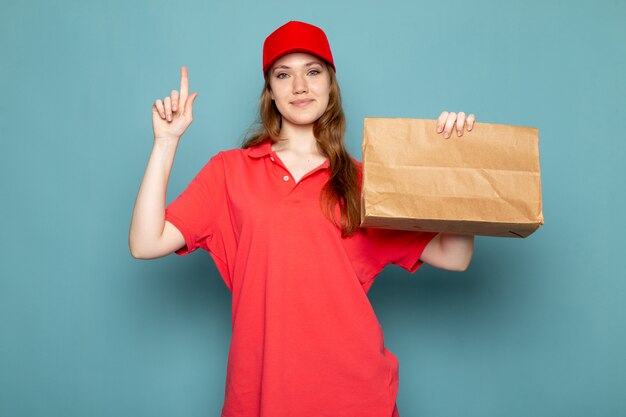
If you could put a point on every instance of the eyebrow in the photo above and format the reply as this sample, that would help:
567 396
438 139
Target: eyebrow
306 65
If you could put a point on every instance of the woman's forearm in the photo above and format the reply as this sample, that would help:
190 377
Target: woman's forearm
458 249
148 217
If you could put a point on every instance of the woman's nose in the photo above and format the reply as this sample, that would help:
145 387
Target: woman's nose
299 84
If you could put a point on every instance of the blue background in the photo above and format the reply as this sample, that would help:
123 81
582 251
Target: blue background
535 326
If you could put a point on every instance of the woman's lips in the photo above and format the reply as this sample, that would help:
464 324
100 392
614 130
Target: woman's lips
301 103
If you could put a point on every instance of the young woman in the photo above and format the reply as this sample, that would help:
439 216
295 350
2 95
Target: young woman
280 217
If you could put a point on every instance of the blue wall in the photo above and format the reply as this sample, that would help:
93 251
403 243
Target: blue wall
535 326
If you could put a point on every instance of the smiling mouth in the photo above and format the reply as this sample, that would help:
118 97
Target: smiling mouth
301 103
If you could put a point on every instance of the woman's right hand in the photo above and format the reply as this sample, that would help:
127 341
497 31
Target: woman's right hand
173 115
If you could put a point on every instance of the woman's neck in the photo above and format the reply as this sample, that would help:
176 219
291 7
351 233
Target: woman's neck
299 140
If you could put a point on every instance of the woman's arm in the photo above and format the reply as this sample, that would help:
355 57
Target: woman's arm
449 251
150 235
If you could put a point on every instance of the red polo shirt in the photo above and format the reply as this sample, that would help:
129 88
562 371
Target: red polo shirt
305 339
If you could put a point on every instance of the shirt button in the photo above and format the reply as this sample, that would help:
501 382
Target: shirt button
286 177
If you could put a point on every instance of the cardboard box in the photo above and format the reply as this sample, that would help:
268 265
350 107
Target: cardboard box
486 182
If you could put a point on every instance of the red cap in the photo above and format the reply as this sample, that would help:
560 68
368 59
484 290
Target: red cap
296 37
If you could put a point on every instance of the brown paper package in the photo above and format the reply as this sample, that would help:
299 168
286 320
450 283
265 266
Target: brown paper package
486 182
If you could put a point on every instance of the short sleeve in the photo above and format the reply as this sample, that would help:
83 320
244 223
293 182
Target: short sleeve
200 212
372 249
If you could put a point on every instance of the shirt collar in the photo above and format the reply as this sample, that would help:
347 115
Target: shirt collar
262 149
265 148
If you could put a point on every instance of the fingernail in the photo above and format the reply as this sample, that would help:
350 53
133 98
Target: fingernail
445 135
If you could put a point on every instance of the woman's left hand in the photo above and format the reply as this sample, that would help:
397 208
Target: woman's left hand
448 121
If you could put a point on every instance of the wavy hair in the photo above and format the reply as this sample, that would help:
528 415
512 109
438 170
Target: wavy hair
341 189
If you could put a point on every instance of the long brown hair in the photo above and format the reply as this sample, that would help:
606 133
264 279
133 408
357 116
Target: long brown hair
329 131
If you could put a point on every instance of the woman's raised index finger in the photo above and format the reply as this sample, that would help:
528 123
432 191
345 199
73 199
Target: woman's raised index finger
184 84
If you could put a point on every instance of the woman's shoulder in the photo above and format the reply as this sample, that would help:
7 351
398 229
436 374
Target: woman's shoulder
239 158
234 154
223 160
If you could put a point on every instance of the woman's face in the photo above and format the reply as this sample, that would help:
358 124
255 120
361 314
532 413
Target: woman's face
300 87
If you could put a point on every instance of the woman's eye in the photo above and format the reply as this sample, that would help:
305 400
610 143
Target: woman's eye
311 72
